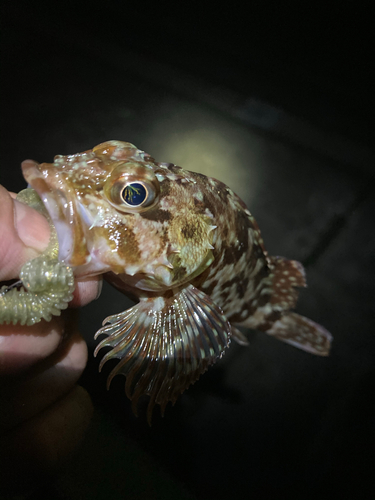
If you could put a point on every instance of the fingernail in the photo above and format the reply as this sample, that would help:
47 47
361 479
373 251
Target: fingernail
32 227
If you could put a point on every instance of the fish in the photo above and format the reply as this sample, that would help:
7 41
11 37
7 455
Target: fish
182 245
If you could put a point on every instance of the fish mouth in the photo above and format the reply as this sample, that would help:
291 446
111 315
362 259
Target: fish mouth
59 198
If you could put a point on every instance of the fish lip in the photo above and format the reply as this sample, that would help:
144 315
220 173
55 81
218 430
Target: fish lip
50 185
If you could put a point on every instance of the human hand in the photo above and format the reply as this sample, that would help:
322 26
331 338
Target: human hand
43 413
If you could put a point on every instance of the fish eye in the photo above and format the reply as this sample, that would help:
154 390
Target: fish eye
135 194
131 187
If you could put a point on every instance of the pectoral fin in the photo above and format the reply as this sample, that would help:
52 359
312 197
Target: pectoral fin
164 344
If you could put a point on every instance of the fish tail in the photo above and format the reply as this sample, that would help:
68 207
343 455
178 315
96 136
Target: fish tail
277 295
303 333
292 328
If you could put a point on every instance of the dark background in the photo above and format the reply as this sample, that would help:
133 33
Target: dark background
275 102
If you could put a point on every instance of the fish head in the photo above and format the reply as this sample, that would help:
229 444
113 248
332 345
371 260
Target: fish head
116 209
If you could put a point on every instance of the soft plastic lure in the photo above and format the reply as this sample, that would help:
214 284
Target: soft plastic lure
47 283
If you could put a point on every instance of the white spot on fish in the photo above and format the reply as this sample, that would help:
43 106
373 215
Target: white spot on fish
131 270
159 304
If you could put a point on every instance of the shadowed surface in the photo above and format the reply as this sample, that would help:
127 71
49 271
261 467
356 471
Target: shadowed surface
267 419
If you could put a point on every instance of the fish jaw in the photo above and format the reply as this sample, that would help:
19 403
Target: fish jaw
63 208
94 237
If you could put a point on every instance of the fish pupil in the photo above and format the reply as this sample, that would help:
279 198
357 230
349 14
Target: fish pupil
134 194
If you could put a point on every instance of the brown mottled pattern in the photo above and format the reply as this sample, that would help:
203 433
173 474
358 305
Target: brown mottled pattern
238 249
181 220
191 252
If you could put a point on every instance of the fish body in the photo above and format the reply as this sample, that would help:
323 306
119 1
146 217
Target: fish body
186 247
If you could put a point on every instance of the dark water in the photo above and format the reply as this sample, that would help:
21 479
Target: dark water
281 114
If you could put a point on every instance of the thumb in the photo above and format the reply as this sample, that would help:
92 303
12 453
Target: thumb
24 234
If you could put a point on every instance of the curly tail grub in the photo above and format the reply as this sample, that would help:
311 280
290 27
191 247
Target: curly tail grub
48 283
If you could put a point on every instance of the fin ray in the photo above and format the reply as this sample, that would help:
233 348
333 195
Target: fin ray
239 337
164 344
303 333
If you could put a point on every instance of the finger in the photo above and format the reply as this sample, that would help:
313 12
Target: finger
21 347
24 346
86 290
24 234
42 443
53 378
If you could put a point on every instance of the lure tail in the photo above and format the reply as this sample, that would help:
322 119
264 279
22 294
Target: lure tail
48 284
48 287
